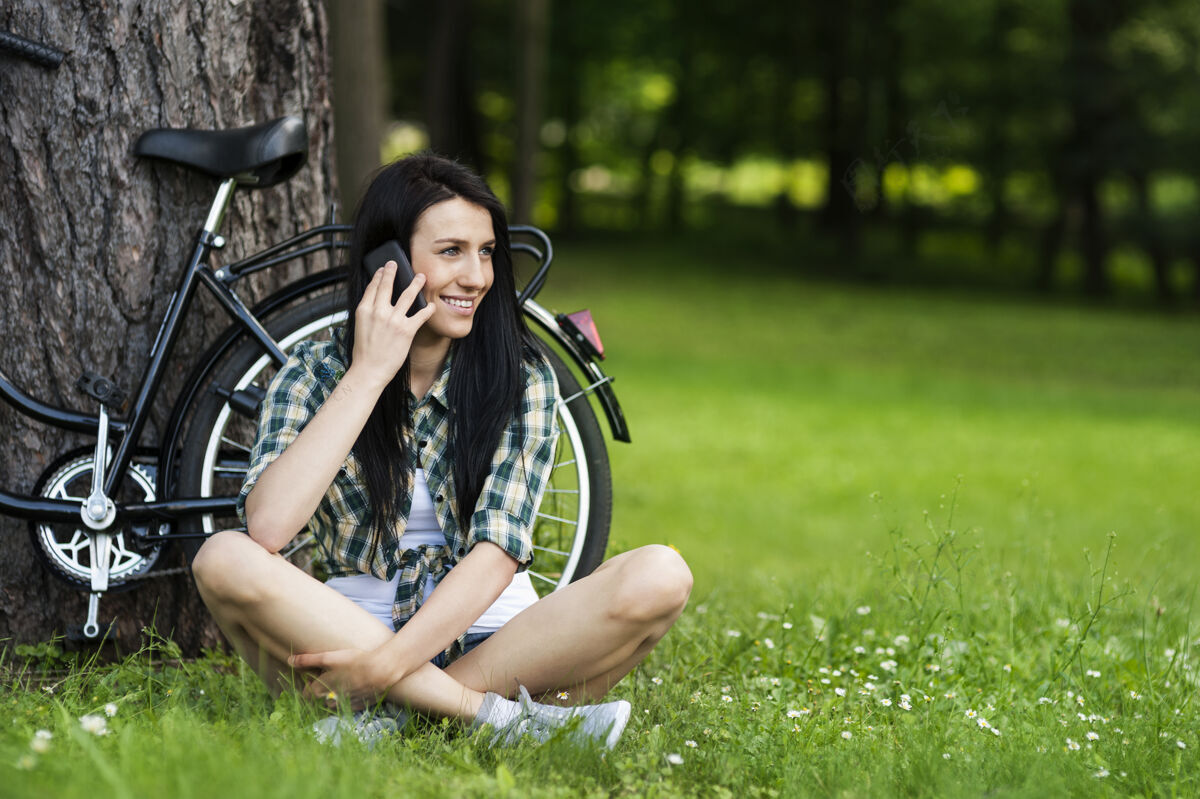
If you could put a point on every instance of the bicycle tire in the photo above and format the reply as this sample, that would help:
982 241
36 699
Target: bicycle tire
571 530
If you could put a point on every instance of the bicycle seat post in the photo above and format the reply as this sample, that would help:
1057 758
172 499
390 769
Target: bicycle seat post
216 213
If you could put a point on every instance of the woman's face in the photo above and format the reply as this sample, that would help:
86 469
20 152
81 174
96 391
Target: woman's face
452 246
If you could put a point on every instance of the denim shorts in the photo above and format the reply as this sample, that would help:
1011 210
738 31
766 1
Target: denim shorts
470 642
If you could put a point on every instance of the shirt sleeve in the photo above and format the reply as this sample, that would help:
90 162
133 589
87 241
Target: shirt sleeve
292 398
512 491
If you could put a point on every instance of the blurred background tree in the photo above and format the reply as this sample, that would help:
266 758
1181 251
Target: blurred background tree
1044 145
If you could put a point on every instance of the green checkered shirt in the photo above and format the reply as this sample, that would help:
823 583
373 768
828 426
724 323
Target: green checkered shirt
348 544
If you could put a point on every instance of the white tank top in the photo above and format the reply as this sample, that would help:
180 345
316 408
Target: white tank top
376 596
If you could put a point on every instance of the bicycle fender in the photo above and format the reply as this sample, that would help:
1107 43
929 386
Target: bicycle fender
595 380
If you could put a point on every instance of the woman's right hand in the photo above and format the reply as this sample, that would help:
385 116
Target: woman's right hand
383 332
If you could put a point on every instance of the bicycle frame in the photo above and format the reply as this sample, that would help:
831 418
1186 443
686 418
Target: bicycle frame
219 282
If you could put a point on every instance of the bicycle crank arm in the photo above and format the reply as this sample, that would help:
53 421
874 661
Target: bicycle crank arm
91 628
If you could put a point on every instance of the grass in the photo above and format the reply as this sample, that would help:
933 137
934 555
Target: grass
985 505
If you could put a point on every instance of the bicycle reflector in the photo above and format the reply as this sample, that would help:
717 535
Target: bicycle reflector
582 329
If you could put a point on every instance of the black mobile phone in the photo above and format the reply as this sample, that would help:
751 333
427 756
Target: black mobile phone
391 251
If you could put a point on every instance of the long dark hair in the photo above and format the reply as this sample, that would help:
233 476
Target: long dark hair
486 379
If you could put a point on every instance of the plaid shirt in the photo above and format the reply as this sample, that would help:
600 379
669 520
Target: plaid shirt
348 544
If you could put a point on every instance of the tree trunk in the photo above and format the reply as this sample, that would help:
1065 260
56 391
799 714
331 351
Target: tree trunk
360 84
1150 237
531 24
449 91
92 240
842 133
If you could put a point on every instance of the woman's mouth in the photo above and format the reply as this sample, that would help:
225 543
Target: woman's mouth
460 305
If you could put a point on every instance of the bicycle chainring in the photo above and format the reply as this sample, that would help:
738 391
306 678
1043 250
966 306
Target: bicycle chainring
65 548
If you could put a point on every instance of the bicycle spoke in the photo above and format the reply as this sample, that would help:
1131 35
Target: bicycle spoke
564 463
556 518
552 551
543 578
562 490
235 444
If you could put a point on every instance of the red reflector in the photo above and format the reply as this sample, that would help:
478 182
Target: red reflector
587 326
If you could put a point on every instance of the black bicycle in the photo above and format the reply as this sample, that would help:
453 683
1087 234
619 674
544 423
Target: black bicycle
100 518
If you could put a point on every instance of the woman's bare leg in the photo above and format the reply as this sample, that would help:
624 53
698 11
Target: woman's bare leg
269 609
587 636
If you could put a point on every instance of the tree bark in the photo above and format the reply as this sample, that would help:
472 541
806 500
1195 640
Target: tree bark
92 240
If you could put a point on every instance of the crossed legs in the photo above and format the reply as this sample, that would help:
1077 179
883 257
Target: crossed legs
582 639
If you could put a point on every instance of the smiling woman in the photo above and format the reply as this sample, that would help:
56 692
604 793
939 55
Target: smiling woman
416 449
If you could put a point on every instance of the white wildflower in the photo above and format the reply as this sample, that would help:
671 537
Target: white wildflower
847 734
96 725
110 709
1072 745
863 610
840 691
692 744
731 634
768 643
675 759
888 665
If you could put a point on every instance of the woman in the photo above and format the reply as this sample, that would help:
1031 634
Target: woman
416 448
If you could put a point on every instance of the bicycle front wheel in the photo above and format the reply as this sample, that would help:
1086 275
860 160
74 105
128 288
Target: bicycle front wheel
571 528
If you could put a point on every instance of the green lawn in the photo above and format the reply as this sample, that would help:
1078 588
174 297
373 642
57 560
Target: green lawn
898 507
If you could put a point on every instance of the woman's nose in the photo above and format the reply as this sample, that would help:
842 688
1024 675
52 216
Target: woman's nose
472 273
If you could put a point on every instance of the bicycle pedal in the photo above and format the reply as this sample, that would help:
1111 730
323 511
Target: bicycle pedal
101 388
78 633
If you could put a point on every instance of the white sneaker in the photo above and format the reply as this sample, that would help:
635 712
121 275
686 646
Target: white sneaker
367 726
602 723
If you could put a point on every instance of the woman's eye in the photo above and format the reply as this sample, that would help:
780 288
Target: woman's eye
487 251
450 251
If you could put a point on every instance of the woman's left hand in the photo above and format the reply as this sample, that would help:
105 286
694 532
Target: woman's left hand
346 676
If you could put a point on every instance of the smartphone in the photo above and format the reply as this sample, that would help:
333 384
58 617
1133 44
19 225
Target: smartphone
391 251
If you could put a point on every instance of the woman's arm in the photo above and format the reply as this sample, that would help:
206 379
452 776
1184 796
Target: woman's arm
460 598
287 493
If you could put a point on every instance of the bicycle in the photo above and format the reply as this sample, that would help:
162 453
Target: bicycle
134 501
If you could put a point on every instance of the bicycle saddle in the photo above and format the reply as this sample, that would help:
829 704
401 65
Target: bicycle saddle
257 156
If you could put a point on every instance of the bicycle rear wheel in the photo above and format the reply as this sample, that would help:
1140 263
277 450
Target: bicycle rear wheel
571 528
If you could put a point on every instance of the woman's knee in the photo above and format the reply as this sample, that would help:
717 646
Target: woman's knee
222 568
654 584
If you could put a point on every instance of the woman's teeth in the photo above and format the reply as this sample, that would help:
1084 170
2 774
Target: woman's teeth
458 303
